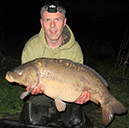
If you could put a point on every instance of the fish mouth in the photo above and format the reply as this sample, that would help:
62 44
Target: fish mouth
9 78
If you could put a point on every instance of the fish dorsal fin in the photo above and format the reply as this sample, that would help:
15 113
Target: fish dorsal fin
60 105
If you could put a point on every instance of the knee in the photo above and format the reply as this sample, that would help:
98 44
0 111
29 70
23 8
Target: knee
74 117
37 114
75 122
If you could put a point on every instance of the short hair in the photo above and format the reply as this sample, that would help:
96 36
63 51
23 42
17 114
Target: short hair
53 6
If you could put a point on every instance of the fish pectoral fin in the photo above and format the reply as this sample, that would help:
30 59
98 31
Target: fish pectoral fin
60 105
24 94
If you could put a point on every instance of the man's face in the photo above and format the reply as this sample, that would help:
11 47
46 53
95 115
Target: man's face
53 24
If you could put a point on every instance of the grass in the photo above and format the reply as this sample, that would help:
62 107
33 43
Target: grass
10 103
119 87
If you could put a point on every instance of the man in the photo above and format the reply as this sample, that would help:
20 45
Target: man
55 40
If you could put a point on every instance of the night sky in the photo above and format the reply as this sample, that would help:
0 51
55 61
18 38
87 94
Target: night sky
20 19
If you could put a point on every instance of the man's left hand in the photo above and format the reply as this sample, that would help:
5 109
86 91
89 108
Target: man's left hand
85 96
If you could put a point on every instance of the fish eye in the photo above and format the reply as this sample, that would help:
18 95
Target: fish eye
19 72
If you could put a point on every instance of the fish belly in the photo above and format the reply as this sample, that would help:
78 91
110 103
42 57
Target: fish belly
62 90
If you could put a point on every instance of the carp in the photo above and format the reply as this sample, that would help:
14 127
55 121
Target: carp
64 81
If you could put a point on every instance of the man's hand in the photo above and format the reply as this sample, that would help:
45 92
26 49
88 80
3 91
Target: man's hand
85 96
35 91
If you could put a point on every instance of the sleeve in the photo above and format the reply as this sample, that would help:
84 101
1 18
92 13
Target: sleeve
77 55
28 53
79 58
31 50
25 57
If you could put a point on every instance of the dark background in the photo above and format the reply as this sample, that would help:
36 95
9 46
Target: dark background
104 19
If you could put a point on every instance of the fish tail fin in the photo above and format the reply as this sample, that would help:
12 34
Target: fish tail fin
108 110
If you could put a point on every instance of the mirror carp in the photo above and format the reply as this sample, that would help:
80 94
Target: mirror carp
64 81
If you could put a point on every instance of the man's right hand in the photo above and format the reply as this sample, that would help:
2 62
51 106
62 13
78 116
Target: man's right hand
35 91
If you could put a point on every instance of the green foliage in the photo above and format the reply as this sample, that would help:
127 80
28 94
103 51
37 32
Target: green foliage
119 87
10 102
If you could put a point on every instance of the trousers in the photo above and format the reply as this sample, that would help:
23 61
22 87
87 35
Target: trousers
41 110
